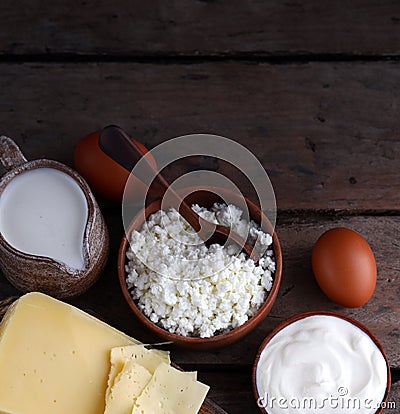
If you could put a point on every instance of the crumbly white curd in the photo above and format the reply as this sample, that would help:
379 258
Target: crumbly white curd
190 289
321 364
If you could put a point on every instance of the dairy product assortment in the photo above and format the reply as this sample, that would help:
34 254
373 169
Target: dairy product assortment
63 360
55 358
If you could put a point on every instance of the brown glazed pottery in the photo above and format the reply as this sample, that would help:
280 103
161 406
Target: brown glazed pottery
39 273
296 318
206 197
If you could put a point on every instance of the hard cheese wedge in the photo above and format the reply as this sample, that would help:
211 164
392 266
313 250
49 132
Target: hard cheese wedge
171 391
54 358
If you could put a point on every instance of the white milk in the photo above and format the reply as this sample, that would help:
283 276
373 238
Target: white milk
44 212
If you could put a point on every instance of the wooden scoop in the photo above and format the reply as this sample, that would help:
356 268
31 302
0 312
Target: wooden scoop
116 143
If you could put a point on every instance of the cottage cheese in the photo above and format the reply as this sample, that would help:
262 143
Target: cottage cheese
190 289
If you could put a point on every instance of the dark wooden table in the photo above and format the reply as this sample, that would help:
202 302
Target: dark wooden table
311 87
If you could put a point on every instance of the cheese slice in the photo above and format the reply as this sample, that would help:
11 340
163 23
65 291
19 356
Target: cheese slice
54 358
171 391
127 386
192 375
131 370
148 358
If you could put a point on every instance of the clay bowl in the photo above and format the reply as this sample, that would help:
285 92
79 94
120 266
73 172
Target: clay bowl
298 317
28 272
206 196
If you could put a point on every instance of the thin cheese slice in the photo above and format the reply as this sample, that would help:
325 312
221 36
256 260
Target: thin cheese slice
171 391
128 385
54 358
148 358
192 374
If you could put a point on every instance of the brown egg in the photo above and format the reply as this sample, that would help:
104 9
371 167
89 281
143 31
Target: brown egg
344 267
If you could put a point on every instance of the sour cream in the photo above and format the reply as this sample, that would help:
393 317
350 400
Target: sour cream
43 212
321 364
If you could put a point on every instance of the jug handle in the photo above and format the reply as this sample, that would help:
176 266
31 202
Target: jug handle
10 155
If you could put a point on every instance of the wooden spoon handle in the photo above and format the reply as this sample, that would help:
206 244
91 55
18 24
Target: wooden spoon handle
117 144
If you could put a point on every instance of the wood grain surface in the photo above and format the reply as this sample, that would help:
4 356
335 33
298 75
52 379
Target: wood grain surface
310 125
310 87
200 27
210 407
394 398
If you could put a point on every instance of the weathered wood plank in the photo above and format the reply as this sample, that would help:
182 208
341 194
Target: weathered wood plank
328 134
394 399
196 27
299 291
234 395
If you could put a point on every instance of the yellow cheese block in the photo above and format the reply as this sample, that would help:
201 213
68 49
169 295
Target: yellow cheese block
127 386
54 358
171 391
